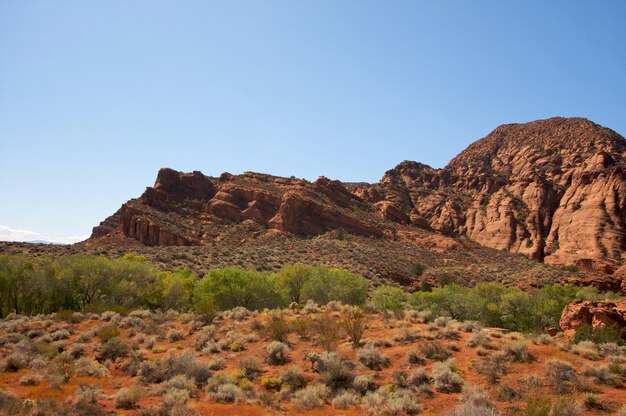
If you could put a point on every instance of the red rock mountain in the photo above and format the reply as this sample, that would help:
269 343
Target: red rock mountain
554 190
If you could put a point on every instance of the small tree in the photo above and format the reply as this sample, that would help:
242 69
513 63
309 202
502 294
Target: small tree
293 277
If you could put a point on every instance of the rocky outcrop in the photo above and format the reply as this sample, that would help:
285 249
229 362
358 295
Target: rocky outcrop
597 314
553 190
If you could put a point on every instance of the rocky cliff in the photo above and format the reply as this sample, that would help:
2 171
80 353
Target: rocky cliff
554 190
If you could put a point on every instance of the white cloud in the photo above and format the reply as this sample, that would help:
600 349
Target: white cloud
11 234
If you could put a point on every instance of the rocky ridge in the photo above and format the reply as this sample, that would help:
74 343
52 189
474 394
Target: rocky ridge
554 190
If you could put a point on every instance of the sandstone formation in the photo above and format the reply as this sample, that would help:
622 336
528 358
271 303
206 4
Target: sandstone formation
553 190
597 314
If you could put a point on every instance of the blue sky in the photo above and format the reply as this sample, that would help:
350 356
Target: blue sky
96 96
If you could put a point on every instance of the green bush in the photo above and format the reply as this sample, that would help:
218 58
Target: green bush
230 288
293 277
326 284
497 305
600 335
389 298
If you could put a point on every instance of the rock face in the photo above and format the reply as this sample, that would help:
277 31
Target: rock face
597 314
554 190
187 208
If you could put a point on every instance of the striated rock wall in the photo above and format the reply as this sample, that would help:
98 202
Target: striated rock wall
553 190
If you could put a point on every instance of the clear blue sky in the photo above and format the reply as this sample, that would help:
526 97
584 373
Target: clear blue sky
96 96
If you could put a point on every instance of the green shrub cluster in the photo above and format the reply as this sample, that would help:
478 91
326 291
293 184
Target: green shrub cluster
96 284
496 305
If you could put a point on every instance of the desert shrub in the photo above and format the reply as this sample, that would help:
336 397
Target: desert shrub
174 402
403 403
294 379
604 375
276 327
174 335
543 339
30 379
507 393
478 339
310 397
335 371
418 269
470 326
518 352
609 349
434 350
364 383
592 402
587 349
181 382
473 409
128 397
230 288
372 358
622 411
15 362
113 349
217 363
277 353
566 406
538 406
272 383
250 367
353 322
327 284
415 356
418 377
172 365
388 298
60 334
85 400
492 367
346 400
90 368
302 327
326 329
561 375
445 377
400 402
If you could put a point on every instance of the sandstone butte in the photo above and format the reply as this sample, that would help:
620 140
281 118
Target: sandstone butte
553 190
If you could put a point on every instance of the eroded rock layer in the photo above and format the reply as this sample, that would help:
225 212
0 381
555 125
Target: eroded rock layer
553 190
